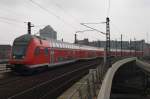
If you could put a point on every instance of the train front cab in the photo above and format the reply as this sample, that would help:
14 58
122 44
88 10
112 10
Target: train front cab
28 52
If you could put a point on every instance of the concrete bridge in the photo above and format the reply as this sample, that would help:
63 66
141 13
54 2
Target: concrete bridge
126 79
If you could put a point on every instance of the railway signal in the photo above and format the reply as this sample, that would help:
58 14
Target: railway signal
29 27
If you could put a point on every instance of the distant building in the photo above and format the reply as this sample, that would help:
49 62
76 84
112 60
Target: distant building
146 49
5 51
48 32
138 45
83 42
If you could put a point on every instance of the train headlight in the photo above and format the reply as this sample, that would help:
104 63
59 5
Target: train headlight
22 56
14 56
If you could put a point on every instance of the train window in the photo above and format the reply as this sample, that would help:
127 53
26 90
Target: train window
37 51
60 59
64 45
46 51
71 46
57 45
61 45
54 44
51 44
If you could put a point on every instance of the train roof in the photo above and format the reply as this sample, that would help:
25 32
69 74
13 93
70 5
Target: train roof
24 38
59 44
54 43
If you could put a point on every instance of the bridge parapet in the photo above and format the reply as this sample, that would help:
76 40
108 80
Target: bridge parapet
144 65
107 82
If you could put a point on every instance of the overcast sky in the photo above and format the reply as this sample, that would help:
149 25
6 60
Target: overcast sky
128 17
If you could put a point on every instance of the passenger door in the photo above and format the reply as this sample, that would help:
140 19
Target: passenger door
51 55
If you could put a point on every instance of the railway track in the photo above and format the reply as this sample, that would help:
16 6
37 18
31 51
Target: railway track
9 77
49 84
3 68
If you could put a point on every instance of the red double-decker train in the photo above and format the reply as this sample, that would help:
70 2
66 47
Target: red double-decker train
30 52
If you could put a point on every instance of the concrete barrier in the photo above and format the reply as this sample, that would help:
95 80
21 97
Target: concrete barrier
107 82
145 66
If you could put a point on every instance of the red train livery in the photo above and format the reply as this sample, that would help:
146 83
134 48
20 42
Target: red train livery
31 52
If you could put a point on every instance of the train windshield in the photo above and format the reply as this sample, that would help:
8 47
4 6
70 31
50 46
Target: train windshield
19 51
20 46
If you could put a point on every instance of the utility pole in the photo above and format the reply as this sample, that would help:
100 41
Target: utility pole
75 38
108 53
130 47
134 47
29 27
121 45
116 46
142 47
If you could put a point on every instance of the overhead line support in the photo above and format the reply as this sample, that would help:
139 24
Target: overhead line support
84 24
108 53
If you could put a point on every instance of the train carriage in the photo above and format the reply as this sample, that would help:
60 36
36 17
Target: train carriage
31 52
